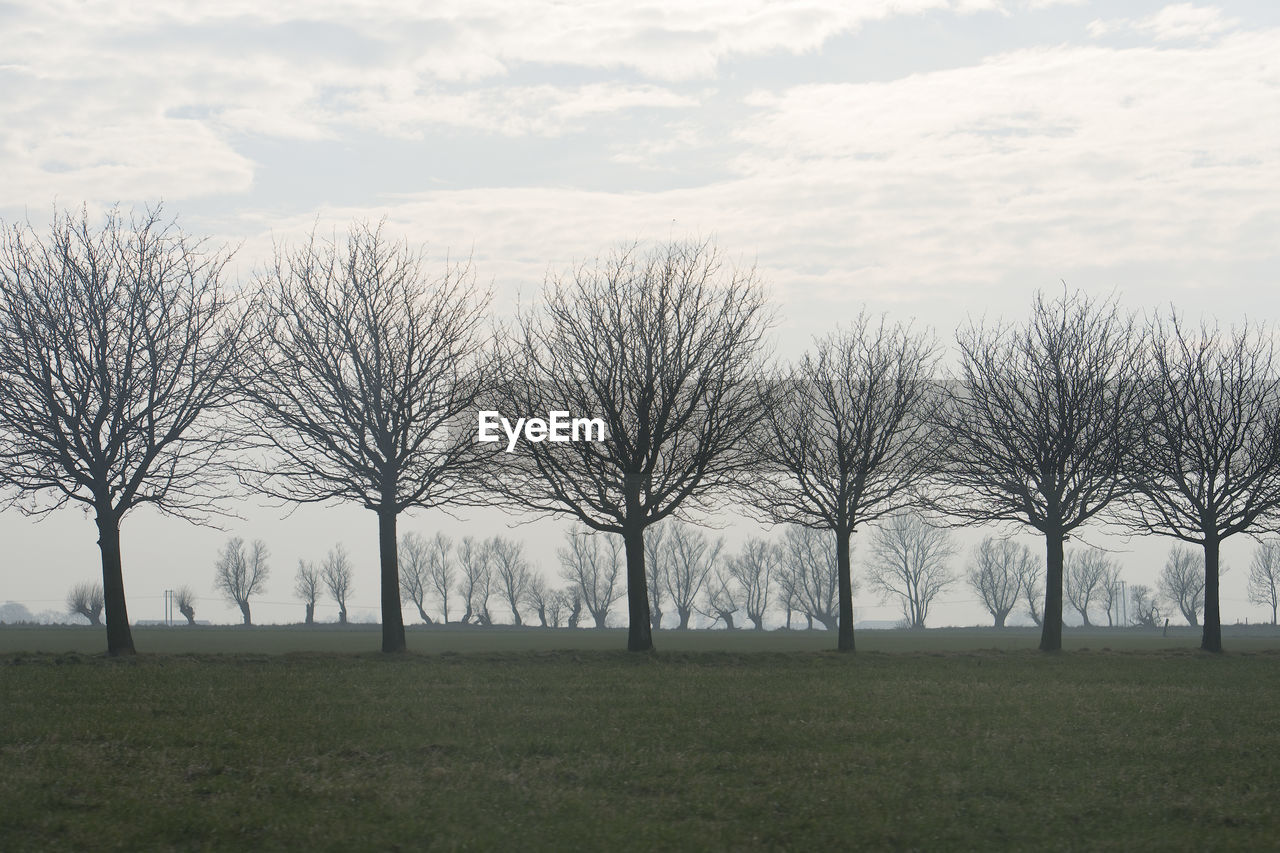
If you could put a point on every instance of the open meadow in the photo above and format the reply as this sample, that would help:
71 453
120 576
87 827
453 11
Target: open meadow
555 739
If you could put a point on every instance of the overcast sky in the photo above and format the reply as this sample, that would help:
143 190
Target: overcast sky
935 159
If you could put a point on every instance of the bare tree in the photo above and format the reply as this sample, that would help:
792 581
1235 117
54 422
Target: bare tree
1110 592
415 559
185 598
996 570
364 370
1146 609
115 350
723 597
1031 578
1264 576
511 571
1208 463
239 576
755 569
690 561
845 443
539 597
1088 571
440 573
1036 428
557 606
655 567
809 568
594 571
1182 582
661 348
86 599
910 562
337 574
572 598
474 561
306 585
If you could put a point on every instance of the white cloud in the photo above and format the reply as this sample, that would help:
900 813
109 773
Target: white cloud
1180 22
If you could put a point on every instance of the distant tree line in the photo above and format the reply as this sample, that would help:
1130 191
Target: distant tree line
131 375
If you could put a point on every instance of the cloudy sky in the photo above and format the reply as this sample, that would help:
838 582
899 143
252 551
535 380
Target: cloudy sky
935 159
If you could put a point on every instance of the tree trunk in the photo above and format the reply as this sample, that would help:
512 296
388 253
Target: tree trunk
845 579
515 613
684 613
422 614
1051 621
655 618
244 611
392 618
1000 617
311 612
1211 640
342 614
119 635
639 632
189 613
1084 618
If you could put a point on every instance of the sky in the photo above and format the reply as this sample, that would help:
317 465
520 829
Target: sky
937 160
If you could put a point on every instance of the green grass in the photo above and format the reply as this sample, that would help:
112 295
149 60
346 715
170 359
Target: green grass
602 750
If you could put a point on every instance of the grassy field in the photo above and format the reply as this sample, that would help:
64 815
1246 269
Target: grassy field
598 749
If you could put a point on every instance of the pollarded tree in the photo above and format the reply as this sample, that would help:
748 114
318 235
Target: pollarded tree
116 346
540 597
755 569
306 586
511 571
1036 428
364 369
1146 607
474 560
594 571
1207 463
911 562
185 598
691 558
809 569
996 570
1031 577
1264 576
86 599
239 575
655 569
663 348
337 574
844 443
1110 592
1182 582
1087 572
723 597
440 572
415 567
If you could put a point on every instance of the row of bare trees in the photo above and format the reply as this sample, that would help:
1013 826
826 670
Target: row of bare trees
130 376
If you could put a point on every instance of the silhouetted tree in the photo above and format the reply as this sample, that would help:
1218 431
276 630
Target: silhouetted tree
845 443
655 568
691 558
1036 428
1088 571
115 350
185 598
1146 609
415 560
594 571
337 574
1264 576
238 575
538 596
1031 579
724 597
364 372
474 561
511 571
809 568
996 570
86 599
662 347
911 562
1207 465
754 569
440 573
1182 582
306 585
